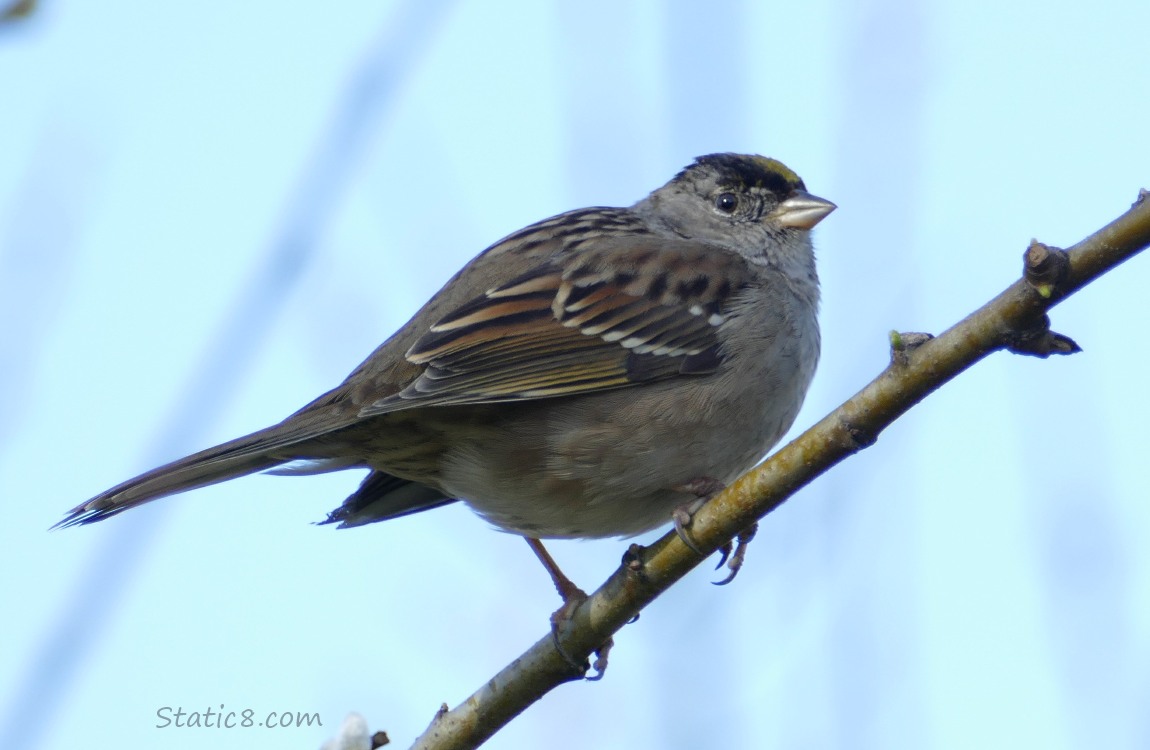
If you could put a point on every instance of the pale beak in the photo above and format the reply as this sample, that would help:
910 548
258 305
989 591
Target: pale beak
801 210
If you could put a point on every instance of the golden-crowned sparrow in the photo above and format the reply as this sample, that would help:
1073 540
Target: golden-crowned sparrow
583 377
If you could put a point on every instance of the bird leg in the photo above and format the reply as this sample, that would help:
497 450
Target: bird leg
572 596
704 488
564 585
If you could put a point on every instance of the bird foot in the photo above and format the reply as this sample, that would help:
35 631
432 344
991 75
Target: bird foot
735 561
572 597
704 488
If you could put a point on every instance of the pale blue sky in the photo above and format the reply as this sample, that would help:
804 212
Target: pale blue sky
209 216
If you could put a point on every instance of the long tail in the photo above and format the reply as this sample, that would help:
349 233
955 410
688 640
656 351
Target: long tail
246 455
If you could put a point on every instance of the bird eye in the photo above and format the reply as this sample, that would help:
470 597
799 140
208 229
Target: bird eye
727 202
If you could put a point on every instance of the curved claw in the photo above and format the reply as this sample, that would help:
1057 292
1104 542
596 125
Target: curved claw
724 553
682 517
600 665
735 564
703 488
580 667
730 577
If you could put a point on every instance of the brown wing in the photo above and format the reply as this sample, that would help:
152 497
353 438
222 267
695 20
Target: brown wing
630 311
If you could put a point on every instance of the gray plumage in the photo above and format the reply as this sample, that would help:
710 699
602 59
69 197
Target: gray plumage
577 375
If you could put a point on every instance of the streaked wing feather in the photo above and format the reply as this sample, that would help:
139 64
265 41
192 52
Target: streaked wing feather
580 322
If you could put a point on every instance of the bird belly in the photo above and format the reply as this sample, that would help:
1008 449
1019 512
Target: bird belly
608 464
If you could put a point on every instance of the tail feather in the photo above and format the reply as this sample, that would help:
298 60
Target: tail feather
235 458
381 497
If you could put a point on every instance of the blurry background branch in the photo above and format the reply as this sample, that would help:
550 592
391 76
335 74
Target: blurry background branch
17 11
1015 320
367 101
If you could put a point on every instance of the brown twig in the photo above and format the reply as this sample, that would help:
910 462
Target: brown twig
1015 320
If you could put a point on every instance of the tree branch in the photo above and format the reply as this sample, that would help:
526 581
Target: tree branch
1015 320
